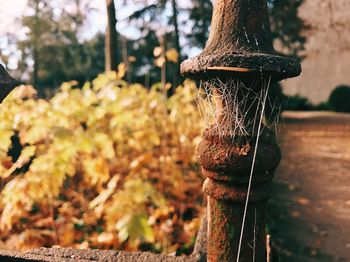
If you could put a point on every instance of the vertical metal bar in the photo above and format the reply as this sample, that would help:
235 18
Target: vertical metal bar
239 47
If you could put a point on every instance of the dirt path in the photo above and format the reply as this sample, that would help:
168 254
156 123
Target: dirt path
309 215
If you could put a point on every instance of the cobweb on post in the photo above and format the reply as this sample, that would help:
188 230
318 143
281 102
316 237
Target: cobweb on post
235 108
231 107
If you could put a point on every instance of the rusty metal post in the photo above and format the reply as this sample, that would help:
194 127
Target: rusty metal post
239 47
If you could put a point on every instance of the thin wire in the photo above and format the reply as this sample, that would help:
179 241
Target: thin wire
255 235
252 170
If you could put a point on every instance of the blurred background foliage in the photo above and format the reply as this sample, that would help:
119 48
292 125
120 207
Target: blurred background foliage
54 47
109 165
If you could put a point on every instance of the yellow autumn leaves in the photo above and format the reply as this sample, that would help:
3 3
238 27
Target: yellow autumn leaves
162 56
110 165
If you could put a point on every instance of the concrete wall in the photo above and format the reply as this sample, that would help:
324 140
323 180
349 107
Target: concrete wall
327 62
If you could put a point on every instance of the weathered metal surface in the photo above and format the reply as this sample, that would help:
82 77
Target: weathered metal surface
226 185
239 47
227 160
240 38
225 227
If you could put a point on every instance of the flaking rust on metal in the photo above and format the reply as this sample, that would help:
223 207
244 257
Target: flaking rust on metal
240 38
239 47
232 160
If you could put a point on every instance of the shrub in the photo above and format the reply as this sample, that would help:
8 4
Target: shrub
339 99
323 106
297 103
110 165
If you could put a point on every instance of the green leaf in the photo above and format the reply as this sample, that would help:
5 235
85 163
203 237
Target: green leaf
135 227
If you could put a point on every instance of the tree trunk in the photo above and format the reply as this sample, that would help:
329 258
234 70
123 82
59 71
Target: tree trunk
177 45
125 57
111 63
202 17
35 79
163 68
176 27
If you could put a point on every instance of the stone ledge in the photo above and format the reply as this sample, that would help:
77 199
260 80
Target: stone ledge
81 255
90 255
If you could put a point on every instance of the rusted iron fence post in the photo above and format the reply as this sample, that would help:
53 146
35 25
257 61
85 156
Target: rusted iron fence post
239 47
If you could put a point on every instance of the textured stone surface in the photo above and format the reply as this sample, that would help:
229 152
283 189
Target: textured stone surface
80 255
83 255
